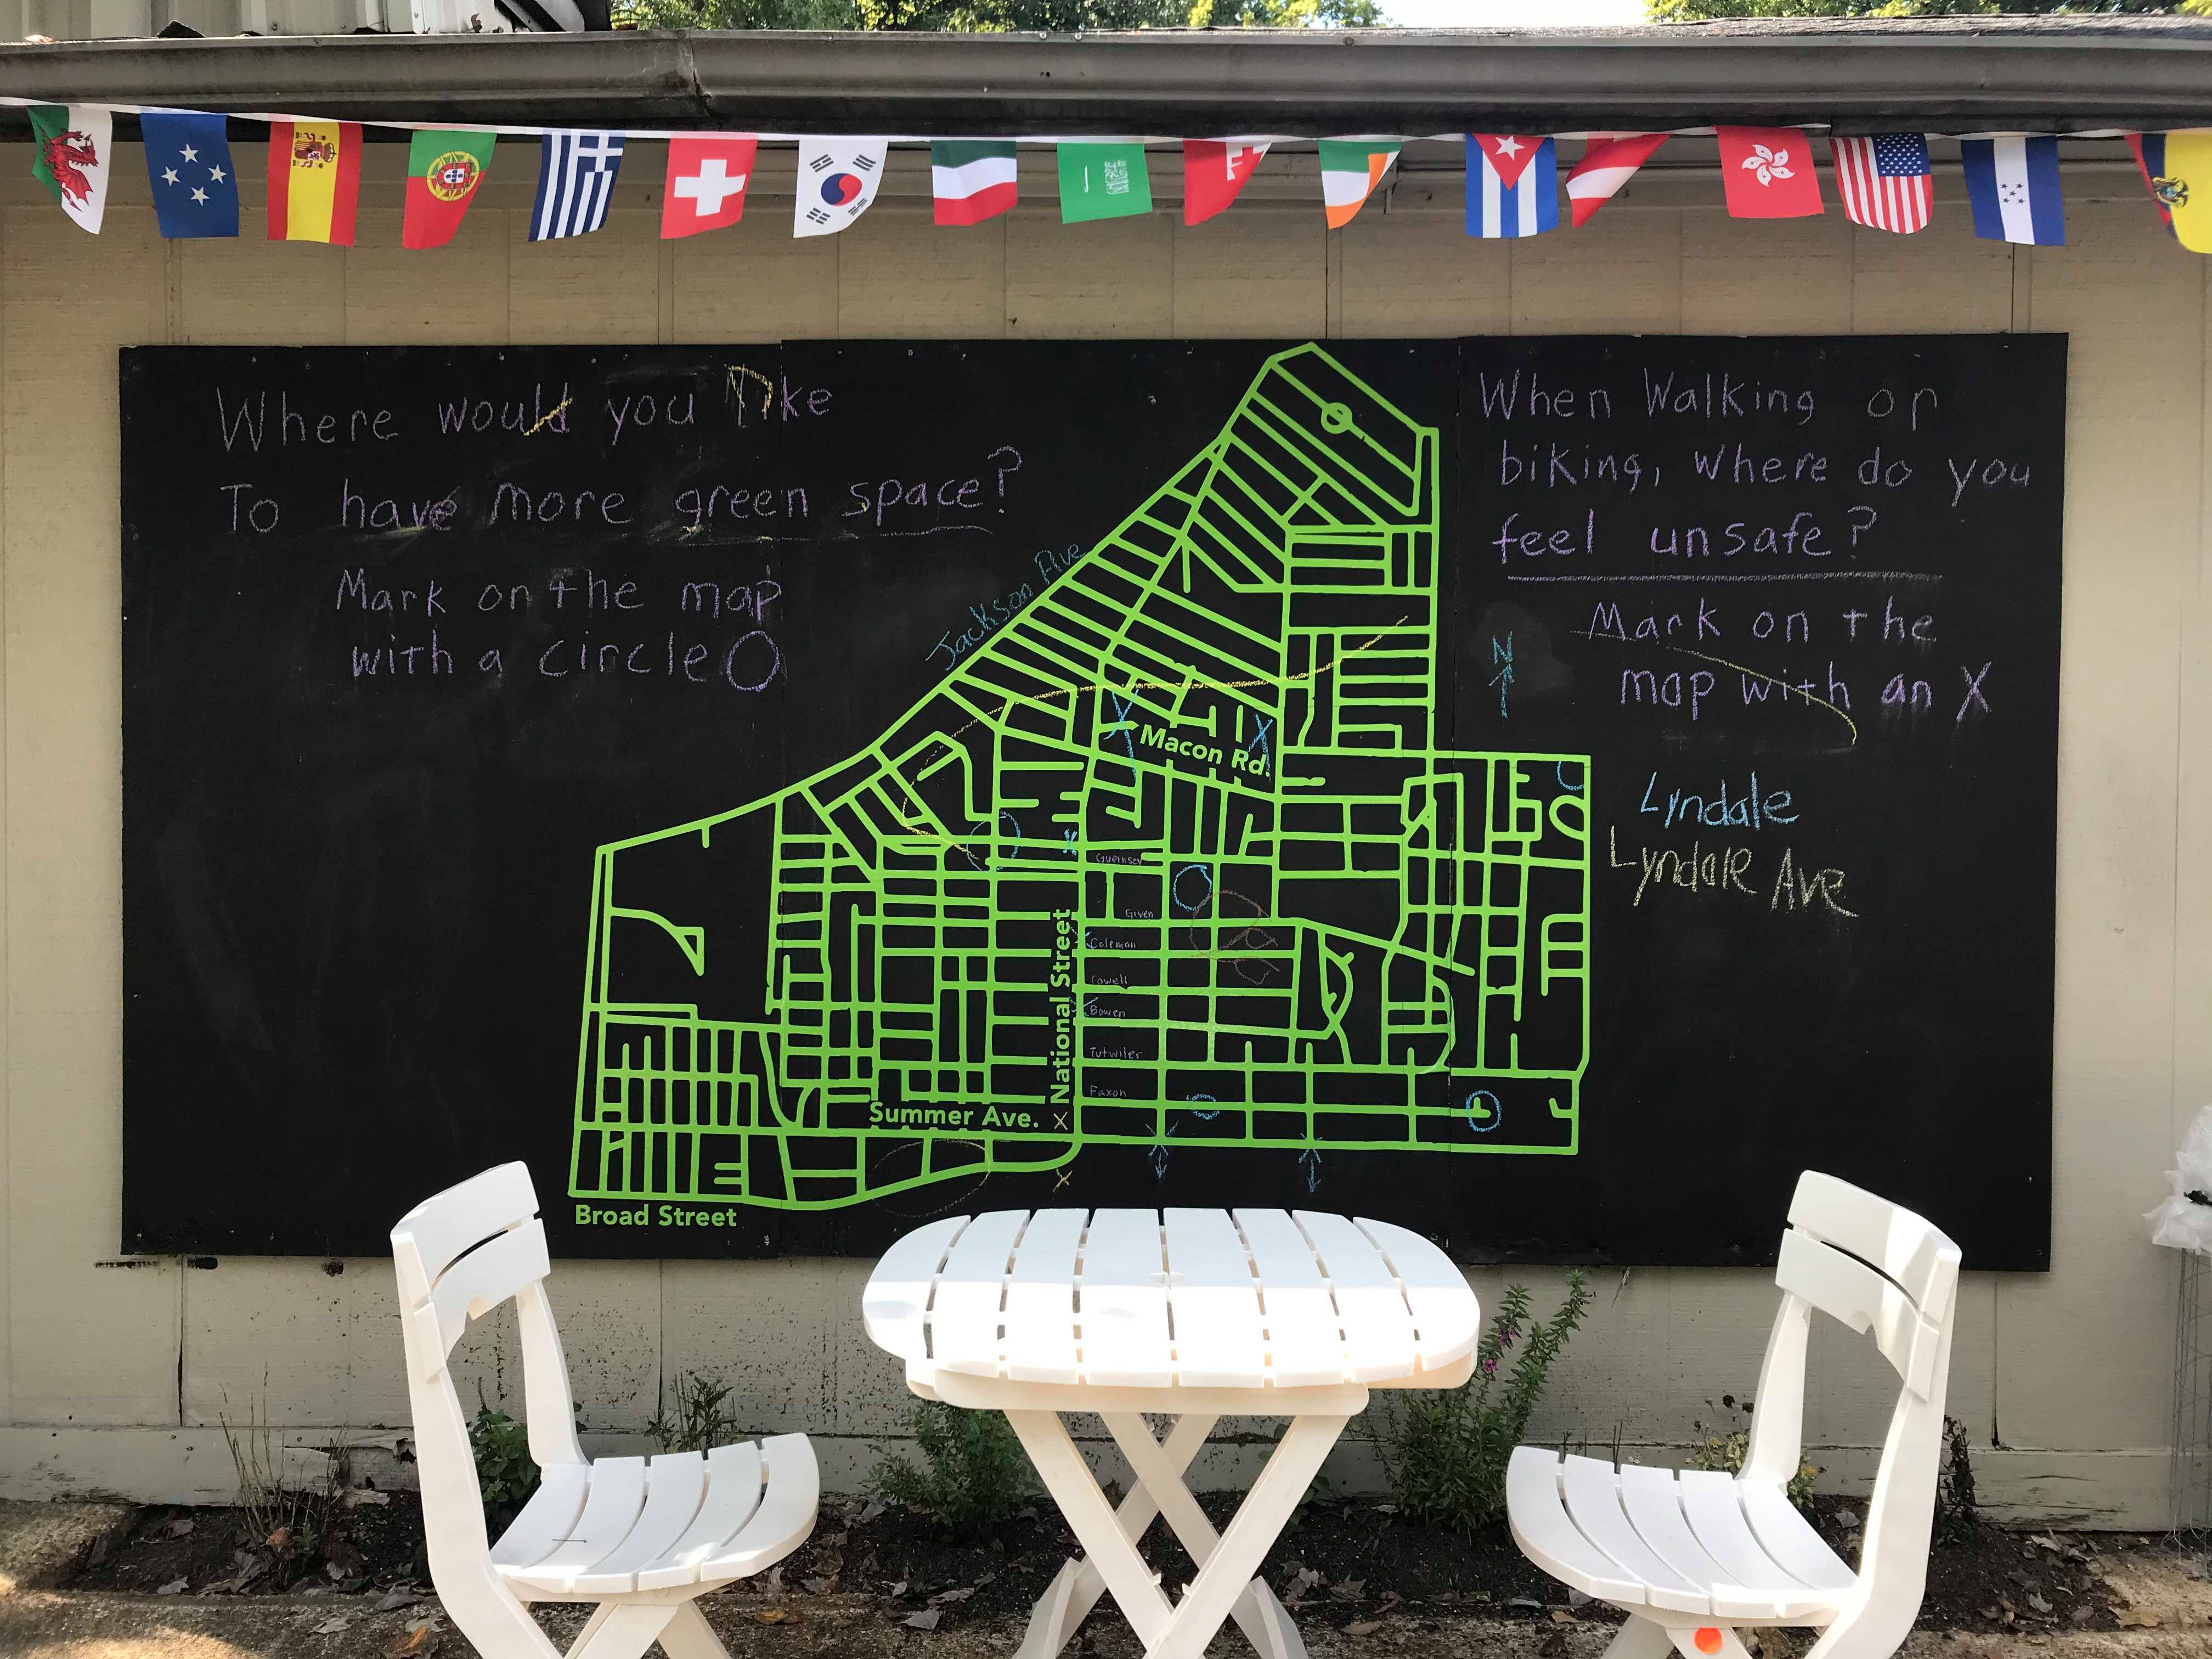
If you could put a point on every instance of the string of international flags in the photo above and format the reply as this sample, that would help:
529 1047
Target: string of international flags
1885 180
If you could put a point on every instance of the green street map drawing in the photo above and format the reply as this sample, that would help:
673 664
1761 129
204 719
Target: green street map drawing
1171 861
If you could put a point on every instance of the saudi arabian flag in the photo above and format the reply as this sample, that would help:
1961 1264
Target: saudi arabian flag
69 156
1102 181
1350 170
972 180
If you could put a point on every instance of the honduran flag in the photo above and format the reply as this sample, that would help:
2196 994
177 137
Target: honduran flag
1512 186
2012 184
971 181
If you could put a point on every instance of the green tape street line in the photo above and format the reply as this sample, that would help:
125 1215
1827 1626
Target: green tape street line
1171 860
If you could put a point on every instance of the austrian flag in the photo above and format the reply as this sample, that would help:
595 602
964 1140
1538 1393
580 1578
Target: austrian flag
972 180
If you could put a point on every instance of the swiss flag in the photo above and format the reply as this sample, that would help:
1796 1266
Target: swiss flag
1509 156
1769 172
1213 171
706 183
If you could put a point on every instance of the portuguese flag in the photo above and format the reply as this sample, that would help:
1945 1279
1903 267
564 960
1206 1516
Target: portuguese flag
443 172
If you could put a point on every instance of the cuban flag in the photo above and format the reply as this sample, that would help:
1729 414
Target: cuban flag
2013 183
576 180
1512 186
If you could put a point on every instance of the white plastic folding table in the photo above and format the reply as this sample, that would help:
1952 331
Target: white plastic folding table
1196 1315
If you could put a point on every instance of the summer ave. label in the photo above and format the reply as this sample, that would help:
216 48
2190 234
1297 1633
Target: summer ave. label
1546 792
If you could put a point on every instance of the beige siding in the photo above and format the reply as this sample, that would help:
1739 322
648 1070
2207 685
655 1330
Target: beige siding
2068 1373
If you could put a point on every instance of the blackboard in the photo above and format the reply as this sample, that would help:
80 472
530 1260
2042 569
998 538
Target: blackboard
1544 792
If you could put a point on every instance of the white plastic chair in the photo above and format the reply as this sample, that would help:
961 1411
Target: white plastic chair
643 1538
1694 1557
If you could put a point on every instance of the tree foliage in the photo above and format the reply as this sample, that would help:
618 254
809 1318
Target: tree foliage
1695 11
994 16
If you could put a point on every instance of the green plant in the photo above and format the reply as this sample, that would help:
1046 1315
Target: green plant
505 1474
1724 1447
1446 1453
973 1472
699 1419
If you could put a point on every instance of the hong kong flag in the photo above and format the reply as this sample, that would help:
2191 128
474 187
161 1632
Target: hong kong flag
1769 172
1213 171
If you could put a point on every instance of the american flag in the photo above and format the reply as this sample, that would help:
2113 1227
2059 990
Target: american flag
575 177
1884 180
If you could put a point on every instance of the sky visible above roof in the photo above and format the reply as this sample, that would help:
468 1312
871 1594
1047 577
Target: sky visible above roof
1511 13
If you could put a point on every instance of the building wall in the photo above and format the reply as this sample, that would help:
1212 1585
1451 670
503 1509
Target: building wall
118 1374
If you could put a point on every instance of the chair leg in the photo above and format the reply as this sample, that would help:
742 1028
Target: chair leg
1729 1646
688 1635
621 1630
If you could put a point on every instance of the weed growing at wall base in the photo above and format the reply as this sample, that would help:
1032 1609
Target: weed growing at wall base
973 1472
1446 1453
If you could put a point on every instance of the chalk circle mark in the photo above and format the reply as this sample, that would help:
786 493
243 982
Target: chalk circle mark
1204 1118
1560 771
1198 903
1480 1118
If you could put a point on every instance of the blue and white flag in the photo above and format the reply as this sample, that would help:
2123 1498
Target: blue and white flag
575 180
1512 186
2013 183
188 164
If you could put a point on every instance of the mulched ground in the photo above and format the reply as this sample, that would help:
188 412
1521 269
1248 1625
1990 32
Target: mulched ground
1342 1564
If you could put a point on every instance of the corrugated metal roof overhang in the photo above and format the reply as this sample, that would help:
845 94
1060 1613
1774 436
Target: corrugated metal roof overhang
1956 75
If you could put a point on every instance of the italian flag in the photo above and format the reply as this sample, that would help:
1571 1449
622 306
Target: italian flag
1350 170
972 180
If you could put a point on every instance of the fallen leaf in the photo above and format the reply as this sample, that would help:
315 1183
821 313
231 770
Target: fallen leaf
1348 1589
1363 1627
357 1495
280 1540
2138 1618
925 1620
420 1639
898 1590
2044 1542
174 1587
960 1594
332 1627
770 1615
396 1598
1527 1601
1561 1616
2083 1615
816 1586
1577 1599
179 1528
870 1513
2036 1601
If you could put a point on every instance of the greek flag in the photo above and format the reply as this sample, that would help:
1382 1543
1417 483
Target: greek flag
575 178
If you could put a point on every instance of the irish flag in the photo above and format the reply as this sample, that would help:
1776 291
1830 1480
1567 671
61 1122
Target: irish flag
1350 170
972 179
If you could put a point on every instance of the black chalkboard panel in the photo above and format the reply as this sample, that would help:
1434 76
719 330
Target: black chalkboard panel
1544 792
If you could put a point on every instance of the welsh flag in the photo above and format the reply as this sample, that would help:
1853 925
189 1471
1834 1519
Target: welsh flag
443 172
972 179
69 154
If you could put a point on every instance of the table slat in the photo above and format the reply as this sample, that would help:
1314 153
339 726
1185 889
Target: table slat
1040 1341
963 1315
898 1290
1305 1341
1220 1334
1444 1310
1124 1310
1378 1326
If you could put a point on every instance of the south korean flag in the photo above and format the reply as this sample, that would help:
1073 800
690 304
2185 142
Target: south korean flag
837 181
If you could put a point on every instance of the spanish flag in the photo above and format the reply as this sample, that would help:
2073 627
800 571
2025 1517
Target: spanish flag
314 180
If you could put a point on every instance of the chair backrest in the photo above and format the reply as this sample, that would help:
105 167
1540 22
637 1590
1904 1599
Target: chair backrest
457 1256
1889 1274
